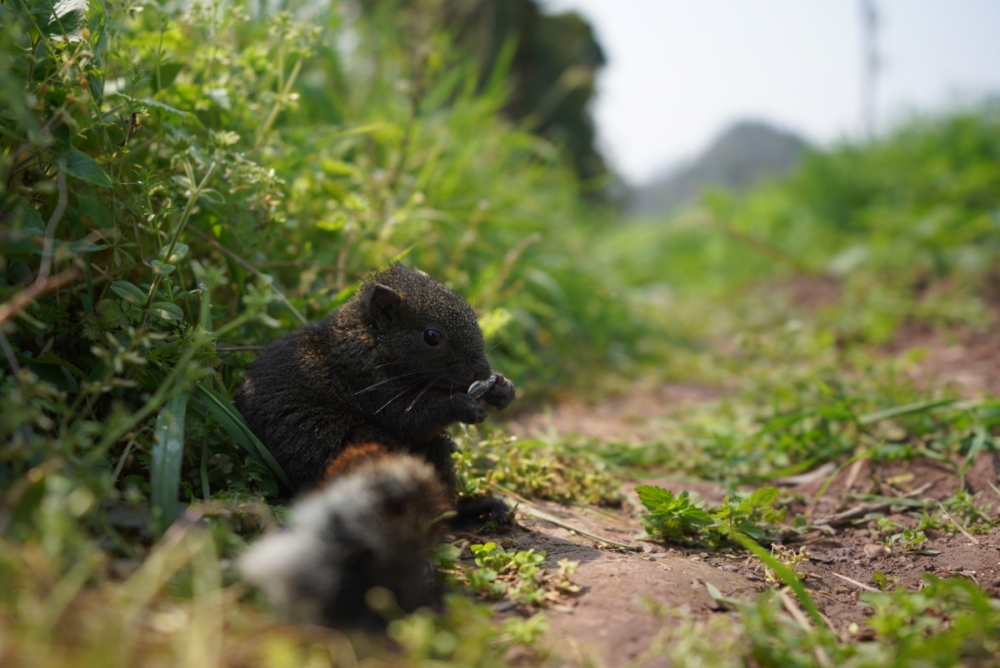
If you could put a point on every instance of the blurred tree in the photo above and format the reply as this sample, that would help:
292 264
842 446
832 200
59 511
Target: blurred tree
554 73
551 73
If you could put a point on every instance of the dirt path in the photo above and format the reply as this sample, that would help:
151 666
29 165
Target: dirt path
611 619
610 622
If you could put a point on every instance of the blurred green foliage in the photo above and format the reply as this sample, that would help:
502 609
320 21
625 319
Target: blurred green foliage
551 73
922 200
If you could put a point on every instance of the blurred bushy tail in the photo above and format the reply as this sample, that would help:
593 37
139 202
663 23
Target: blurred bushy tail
371 526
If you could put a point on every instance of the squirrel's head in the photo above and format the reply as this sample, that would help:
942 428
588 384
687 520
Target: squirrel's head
415 318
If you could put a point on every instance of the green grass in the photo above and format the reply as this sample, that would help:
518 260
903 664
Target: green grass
181 185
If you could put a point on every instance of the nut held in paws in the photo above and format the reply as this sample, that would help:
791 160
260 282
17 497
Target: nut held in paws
481 387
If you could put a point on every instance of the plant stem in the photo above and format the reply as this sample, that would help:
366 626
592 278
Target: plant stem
50 230
278 104
21 299
185 216
256 272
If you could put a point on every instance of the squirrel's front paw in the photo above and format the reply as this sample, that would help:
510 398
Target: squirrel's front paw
466 409
501 394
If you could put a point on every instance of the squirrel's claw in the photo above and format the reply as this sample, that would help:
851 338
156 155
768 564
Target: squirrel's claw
501 394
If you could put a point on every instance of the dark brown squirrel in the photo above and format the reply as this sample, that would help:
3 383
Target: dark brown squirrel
357 405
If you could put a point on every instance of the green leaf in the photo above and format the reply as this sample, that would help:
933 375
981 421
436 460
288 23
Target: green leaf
168 72
905 409
82 166
212 196
763 497
168 451
129 292
52 359
94 208
166 108
787 576
655 498
96 22
166 310
179 252
66 19
337 167
161 268
25 214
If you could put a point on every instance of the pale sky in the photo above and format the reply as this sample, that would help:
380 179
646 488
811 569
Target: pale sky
680 71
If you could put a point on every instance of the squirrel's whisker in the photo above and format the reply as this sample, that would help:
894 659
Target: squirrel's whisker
417 398
407 389
387 380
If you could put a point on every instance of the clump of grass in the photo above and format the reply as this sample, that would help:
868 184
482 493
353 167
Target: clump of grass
532 468
518 576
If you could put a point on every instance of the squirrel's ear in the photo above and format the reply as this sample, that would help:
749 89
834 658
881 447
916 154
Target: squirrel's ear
384 304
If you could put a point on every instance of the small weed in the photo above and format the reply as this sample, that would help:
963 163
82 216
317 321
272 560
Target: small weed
899 536
675 518
681 519
963 507
948 622
688 642
787 556
519 576
884 582
532 469
909 540
466 634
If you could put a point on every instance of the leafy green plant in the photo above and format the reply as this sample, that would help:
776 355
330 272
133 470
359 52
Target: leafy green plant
680 518
899 536
673 517
948 622
518 576
466 634
884 582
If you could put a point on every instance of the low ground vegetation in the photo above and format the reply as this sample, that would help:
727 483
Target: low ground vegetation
182 183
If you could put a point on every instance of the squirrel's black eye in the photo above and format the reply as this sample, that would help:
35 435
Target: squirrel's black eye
432 337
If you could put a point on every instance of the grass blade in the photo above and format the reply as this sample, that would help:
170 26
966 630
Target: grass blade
905 409
786 574
226 414
168 451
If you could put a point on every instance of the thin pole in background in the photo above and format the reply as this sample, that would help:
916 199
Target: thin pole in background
871 67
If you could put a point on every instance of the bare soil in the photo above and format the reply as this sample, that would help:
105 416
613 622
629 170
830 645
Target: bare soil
968 360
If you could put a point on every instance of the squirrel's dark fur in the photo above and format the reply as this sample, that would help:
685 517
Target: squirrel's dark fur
366 375
391 368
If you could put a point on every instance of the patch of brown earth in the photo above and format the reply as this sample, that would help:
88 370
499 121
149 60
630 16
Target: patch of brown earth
808 291
610 623
851 550
966 357
970 360
633 417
